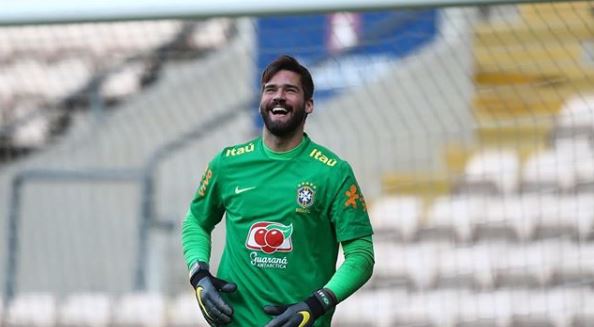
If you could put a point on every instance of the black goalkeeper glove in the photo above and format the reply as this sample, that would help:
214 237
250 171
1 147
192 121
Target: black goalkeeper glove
302 314
213 307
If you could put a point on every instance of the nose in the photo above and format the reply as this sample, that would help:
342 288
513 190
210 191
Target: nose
279 95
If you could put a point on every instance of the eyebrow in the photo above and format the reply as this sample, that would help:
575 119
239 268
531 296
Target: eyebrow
281 85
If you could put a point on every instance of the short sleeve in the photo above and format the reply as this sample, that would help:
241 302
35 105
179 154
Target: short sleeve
348 211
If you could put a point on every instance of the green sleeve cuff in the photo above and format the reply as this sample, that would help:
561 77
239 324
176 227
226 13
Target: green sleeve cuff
355 270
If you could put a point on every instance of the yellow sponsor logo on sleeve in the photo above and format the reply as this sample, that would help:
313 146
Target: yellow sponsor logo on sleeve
237 151
318 155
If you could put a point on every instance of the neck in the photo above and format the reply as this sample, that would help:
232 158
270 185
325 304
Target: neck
282 143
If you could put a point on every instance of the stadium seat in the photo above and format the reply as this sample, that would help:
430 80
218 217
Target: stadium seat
210 34
140 309
548 171
576 117
484 309
508 217
527 265
451 217
396 217
183 311
543 307
545 211
86 309
579 151
574 265
490 171
369 308
469 266
31 309
584 313
411 265
125 81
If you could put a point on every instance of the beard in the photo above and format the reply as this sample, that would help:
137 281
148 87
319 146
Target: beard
282 128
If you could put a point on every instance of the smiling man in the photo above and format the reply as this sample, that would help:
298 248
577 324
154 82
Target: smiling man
288 204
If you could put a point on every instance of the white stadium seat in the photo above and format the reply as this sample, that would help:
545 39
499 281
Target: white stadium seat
575 265
396 216
547 171
32 309
452 216
408 264
467 266
576 117
85 309
491 171
140 309
369 308
505 217
527 265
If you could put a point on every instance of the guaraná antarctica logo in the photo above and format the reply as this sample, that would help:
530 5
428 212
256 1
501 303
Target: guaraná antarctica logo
269 238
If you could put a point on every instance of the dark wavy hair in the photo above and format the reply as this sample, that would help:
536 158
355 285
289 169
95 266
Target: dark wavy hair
289 63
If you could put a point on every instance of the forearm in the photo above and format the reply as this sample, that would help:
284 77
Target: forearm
196 241
355 270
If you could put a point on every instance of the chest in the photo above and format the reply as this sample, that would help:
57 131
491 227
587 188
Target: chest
265 189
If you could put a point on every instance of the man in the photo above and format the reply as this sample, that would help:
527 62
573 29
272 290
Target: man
289 202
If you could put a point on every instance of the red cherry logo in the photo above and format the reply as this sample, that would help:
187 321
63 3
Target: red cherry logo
268 249
274 238
259 237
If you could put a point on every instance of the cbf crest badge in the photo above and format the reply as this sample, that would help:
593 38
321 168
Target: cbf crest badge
306 194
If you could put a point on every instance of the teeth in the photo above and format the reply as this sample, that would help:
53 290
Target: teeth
279 110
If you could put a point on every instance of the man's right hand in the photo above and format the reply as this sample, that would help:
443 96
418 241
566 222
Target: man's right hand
213 307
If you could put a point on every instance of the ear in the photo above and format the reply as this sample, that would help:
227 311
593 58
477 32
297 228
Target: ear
309 106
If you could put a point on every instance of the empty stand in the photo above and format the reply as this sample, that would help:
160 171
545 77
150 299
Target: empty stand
452 217
183 311
506 217
405 265
491 171
366 308
32 309
85 310
576 117
396 217
140 309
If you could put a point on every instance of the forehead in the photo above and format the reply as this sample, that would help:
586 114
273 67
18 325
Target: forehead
285 77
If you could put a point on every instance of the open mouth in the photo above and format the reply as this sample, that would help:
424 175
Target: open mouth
279 111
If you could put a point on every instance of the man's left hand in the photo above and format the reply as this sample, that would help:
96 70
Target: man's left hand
302 314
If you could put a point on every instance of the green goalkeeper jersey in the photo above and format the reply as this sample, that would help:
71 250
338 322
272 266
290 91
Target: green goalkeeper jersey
285 216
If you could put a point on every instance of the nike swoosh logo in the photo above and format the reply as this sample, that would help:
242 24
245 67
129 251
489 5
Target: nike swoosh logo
241 190
305 315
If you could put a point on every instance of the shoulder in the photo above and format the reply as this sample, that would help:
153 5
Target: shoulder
238 150
326 157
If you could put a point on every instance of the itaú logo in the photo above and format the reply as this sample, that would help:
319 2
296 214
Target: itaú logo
270 237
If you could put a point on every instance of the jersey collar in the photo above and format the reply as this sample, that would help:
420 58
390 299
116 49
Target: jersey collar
286 155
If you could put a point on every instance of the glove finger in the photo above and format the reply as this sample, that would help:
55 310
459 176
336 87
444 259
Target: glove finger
216 305
275 310
224 286
228 288
277 322
216 314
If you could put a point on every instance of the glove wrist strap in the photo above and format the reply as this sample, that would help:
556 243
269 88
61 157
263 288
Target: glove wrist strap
321 301
198 271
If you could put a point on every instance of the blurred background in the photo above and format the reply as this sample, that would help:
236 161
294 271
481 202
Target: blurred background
470 128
